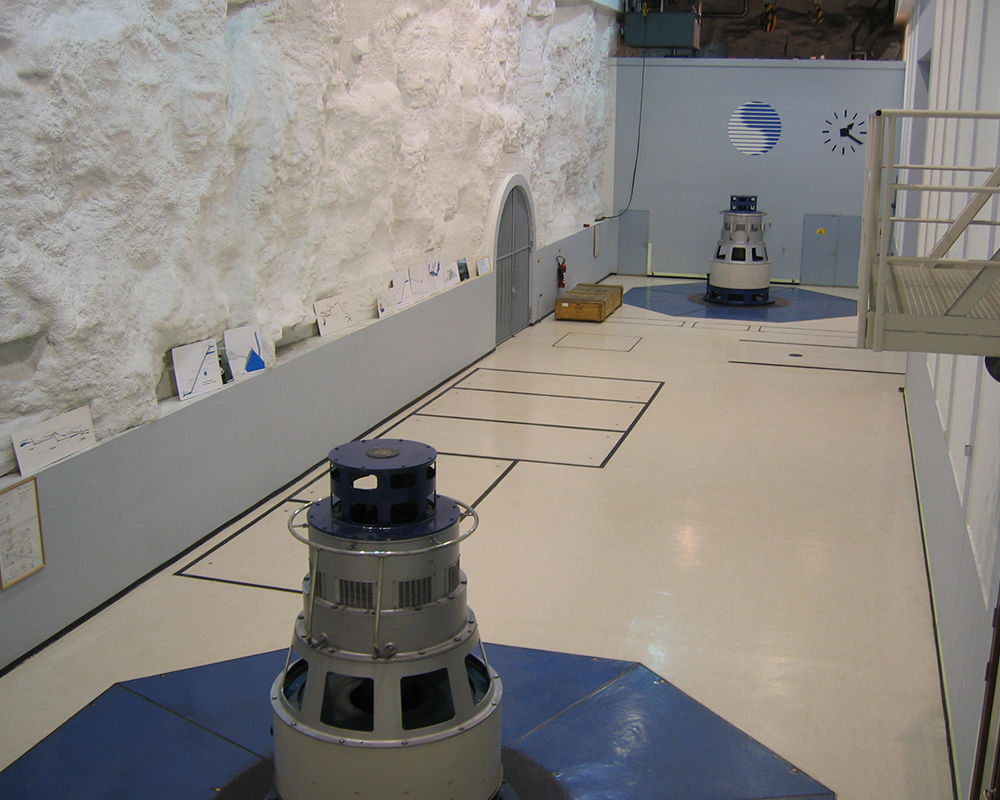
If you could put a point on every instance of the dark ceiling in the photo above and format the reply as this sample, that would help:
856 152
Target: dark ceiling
833 29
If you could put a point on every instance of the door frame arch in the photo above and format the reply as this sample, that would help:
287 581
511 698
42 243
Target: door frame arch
509 184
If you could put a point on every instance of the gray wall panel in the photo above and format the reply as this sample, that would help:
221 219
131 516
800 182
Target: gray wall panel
963 621
831 245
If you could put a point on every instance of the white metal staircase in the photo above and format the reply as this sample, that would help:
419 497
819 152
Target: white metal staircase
929 271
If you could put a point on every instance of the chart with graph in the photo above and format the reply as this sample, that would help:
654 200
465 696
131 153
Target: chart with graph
333 314
244 352
196 369
46 442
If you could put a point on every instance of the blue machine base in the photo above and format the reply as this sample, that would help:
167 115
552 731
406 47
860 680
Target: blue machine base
789 304
604 728
738 297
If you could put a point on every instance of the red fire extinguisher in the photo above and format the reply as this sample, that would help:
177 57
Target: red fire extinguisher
561 272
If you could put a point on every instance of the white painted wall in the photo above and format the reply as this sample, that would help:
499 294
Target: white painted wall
173 168
688 167
954 404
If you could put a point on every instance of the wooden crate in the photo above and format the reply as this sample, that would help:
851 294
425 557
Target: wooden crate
592 296
589 302
586 310
616 290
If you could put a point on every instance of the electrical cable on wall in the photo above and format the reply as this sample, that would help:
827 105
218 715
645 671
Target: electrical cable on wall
638 131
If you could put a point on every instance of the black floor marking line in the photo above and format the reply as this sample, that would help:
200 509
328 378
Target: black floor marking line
233 582
621 438
518 422
565 336
800 344
519 459
254 521
455 376
457 385
798 329
628 430
666 322
301 500
437 395
563 375
599 349
481 458
826 369
722 325
492 486
458 388
542 394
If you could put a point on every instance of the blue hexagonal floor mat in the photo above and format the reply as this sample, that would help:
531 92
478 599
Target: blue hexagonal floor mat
791 304
603 728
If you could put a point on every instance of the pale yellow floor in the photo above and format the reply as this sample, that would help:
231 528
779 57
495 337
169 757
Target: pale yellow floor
753 538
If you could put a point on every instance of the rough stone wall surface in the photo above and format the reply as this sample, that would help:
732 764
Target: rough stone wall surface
173 168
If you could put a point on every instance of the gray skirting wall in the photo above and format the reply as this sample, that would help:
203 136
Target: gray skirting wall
963 621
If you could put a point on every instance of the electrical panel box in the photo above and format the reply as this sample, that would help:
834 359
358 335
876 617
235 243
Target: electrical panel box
677 30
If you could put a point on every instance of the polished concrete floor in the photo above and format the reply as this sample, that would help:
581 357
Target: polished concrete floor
729 503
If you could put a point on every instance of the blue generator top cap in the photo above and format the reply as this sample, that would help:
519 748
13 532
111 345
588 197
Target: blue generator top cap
382 489
742 202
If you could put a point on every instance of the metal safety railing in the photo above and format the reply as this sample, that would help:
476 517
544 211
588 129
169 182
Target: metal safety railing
353 548
929 269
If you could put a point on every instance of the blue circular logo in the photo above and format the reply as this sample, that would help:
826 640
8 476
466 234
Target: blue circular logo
754 128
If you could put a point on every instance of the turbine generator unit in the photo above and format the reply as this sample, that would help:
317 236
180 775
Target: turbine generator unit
741 271
386 692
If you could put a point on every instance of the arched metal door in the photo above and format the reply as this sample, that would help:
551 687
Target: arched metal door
513 258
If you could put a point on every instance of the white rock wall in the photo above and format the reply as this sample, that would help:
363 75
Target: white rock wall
173 168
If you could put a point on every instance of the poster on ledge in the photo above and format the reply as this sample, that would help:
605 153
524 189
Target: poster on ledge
39 445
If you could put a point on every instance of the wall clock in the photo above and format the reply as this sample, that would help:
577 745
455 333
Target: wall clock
845 132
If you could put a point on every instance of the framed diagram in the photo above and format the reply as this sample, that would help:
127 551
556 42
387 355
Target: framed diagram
21 549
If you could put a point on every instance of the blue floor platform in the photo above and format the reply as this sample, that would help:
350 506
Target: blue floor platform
791 304
604 728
